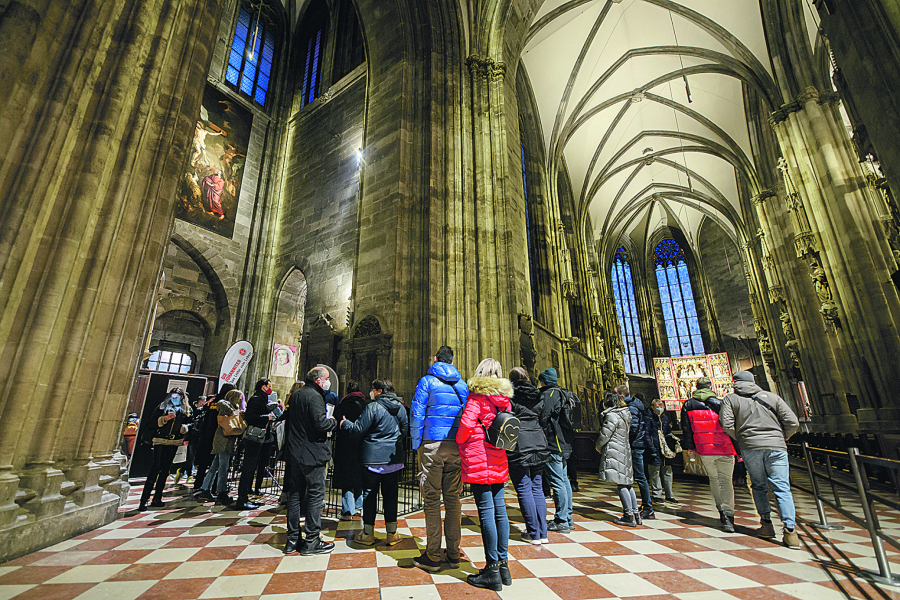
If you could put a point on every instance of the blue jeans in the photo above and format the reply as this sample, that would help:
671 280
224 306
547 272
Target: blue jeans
771 468
559 483
640 477
352 500
494 522
532 502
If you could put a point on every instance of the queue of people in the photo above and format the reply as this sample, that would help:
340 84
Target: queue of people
448 425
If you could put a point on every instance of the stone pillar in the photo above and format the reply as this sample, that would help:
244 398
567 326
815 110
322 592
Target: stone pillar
99 100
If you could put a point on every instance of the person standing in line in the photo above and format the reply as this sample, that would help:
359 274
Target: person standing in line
222 449
382 427
259 415
660 465
762 422
559 442
204 454
638 437
527 460
347 475
439 400
308 450
485 467
165 433
616 465
702 434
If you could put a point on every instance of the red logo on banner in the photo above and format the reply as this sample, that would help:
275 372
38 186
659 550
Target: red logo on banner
242 351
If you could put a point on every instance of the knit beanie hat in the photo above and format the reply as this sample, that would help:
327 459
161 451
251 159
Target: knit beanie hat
548 376
744 376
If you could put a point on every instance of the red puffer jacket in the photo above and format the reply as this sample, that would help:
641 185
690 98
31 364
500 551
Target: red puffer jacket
482 462
709 437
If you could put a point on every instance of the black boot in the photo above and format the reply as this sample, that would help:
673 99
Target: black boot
488 578
505 575
637 518
728 524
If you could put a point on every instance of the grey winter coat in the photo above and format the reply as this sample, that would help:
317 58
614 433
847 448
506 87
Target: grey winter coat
614 448
753 425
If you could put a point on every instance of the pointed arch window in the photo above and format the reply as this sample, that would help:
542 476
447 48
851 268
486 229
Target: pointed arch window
312 51
252 52
679 308
626 310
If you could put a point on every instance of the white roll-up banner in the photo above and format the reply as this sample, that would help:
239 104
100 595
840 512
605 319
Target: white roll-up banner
236 360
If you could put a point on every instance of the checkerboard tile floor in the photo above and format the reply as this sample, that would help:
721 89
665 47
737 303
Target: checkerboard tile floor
189 550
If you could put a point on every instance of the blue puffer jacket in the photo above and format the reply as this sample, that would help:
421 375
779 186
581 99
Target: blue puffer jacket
439 400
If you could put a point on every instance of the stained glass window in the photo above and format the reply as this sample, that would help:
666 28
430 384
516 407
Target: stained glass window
679 308
252 54
626 310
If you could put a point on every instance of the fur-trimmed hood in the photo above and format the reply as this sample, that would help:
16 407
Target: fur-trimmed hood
490 386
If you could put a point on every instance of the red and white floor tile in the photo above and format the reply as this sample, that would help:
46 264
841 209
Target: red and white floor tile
189 550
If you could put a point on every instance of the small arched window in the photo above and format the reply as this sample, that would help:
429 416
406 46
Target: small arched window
626 310
169 362
252 52
679 309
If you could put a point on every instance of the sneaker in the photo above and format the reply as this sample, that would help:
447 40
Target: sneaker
365 539
557 527
317 547
722 517
790 538
392 539
423 562
637 519
545 541
626 520
454 563
672 500
345 516
767 530
648 515
526 537
291 547
728 525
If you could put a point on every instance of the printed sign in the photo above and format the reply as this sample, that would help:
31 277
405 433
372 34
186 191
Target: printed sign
284 361
236 360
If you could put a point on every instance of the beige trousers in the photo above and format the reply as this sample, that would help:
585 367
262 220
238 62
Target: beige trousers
439 475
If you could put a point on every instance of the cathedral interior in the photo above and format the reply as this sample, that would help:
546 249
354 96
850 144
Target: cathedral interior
583 184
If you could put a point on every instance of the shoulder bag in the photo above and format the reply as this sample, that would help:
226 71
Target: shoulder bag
235 425
504 430
255 434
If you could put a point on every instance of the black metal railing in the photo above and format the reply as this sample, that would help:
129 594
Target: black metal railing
859 485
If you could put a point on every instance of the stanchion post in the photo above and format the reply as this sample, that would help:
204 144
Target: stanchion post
820 507
862 486
837 499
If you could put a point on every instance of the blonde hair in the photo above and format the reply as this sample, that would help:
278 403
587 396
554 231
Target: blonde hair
489 368
235 398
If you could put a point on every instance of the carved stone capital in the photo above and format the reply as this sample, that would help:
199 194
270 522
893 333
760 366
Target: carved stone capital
762 196
496 71
781 115
805 243
776 294
807 95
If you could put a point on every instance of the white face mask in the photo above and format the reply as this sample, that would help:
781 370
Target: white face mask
325 385
372 394
659 410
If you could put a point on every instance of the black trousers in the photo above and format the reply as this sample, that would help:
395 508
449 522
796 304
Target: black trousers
265 455
307 491
390 485
248 468
159 471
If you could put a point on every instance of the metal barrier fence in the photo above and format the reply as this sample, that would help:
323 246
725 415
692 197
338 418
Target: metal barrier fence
409 500
857 465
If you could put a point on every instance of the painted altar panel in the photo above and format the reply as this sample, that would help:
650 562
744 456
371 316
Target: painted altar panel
676 377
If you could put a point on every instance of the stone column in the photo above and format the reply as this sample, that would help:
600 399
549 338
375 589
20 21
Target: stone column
99 100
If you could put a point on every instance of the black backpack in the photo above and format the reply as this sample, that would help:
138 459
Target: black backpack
567 416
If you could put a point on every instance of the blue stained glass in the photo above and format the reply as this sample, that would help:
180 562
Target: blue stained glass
679 307
268 53
231 75
262 83
626 311
695 326
260 96
314 73
250 68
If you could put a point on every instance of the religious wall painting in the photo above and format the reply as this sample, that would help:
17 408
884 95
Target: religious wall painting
676 377
284 361
208 192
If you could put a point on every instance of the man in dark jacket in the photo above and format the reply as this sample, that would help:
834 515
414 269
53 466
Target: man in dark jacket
559 441
638 438
436 406
762 422
308 451
256 415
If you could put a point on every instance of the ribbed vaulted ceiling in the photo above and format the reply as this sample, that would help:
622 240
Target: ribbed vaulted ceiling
608 79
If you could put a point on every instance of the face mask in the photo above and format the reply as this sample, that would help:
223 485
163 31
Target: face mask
325 385
659 410
176 400
269 393
372 394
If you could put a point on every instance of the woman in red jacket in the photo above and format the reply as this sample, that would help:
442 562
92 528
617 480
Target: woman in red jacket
485 467
702 433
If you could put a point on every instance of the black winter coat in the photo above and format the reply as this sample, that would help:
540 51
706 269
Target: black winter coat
531 449
638 432
307 428
257 414
659 423
347 467
559 441
382 429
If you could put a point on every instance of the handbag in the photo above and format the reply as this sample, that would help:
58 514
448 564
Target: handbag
664 446
255 434
504 431
233 425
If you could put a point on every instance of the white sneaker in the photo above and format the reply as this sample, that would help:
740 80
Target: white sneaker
526 537
545 541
